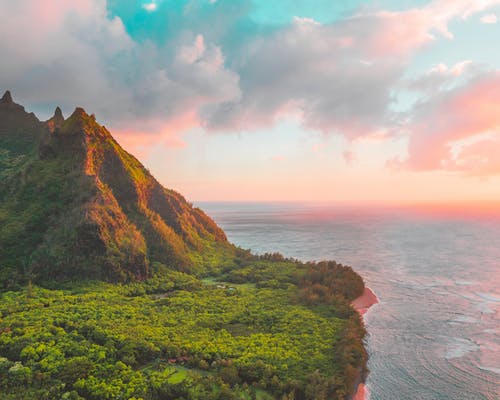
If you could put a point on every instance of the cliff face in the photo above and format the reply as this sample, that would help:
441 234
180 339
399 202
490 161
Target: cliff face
73 203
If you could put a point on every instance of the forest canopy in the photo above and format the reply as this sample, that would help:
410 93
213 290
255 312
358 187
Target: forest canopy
252 332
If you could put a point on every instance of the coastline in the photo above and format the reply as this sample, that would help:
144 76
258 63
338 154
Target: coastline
365 301
361 305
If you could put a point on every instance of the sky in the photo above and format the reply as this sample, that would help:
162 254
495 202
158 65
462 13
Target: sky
353 102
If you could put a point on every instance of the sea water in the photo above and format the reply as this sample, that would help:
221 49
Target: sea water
436 332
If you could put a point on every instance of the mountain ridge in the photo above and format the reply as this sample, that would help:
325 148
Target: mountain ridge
110 218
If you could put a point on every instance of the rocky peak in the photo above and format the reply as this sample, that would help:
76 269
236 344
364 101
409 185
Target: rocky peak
7 104
58 114
56 121
7 98
81 123
79 113
76 123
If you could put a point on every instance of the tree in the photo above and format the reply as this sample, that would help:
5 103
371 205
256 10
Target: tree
74 369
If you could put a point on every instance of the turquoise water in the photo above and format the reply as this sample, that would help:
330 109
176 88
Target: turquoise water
436 332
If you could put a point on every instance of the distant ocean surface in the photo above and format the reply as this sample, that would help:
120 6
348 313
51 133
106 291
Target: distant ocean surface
436 332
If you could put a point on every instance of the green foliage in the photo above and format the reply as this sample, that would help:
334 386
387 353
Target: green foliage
75 368
327 281
175 336
10 164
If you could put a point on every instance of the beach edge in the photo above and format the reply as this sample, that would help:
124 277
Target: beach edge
362 304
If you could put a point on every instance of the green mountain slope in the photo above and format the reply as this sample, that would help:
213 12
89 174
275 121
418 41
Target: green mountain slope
75 204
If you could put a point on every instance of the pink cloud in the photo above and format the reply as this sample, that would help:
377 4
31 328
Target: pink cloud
448 130
51 13
141 136
480 158
402 32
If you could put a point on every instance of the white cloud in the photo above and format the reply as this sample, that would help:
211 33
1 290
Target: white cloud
489 19
150 7
442 76
339 77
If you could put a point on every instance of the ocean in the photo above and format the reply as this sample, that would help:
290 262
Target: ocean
435 334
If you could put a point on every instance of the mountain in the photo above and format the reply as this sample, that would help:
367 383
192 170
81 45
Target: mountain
75 204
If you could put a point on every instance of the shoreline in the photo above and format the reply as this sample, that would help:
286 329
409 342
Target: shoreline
361 305
365 301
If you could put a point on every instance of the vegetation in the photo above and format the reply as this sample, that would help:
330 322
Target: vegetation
189 315
175 336
74 204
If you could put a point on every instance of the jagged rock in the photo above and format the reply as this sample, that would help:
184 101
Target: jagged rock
6 102
58 114
56 121
20 132
7 98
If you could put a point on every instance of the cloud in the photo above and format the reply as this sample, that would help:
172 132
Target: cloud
442 76
70 53
137 135
215 68
479 158
314 71
489 19
150 7
57 50
337 77
458 129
